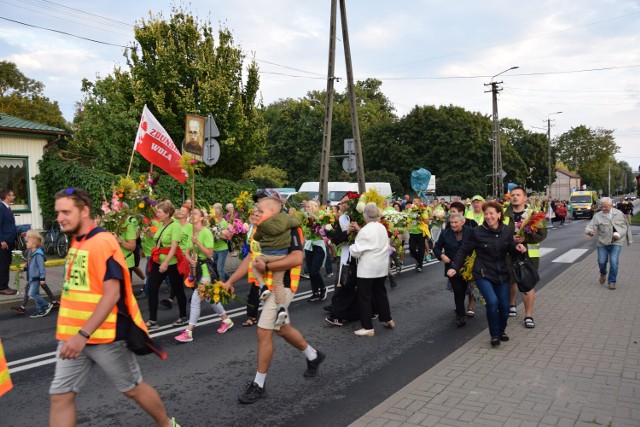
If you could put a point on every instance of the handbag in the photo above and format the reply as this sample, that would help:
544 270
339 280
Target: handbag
525 274
139 341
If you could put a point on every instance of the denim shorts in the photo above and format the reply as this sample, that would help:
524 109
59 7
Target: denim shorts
115 359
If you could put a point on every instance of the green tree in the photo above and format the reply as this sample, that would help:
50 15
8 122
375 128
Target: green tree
23 97
176 66
532 149
265 176
588 152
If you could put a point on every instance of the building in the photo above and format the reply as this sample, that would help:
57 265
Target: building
22 145
564 184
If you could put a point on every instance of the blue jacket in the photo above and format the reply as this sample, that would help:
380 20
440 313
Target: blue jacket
35 267
7 226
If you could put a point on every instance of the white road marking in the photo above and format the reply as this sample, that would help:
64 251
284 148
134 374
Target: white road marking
570 256
546 251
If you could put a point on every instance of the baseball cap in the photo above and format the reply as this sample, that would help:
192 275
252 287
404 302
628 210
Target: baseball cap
268 193
477 197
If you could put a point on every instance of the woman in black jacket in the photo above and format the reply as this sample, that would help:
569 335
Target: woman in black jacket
450 240
491 241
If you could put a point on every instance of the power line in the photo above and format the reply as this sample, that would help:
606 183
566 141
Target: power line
289 68
88 13
65 33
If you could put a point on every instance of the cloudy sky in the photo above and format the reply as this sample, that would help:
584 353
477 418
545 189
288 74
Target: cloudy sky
580 57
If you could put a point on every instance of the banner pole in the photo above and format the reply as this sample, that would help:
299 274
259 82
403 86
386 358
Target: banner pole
131 160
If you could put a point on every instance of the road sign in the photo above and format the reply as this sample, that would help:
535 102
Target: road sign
211 146
502 173
349 146
349 164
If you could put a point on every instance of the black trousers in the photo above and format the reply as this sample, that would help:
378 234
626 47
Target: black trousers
459 286
372 292
253 300
315 261
417 248
177 286
5 264
344 302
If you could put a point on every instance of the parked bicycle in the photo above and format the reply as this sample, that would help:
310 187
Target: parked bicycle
21 238
55 240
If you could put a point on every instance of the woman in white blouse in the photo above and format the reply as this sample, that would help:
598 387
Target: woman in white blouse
371 248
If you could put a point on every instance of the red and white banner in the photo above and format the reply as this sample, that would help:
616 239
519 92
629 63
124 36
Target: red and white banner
155 145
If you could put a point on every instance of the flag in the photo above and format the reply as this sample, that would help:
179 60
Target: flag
155 145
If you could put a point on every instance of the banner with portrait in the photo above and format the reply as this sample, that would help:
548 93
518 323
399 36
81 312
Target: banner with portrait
194 136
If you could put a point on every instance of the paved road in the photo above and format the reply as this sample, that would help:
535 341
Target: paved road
200 381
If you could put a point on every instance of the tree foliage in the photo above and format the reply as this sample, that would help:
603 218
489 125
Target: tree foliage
265 176
23 97
177 66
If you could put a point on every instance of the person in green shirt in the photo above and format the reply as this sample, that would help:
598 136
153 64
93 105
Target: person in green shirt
220 246
146 244
127 242
164 263
181 217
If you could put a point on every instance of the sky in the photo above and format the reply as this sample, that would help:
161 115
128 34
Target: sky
581 57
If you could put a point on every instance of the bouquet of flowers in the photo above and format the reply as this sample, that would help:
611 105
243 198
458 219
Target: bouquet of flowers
354 209
419 217
318 226
216 293
439 217
115 215
17 261
467 275
530 223
243 203
396 220
238 231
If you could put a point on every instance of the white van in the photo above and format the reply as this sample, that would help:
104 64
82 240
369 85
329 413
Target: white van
337 190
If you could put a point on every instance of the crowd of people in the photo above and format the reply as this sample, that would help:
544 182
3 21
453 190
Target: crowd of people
477 240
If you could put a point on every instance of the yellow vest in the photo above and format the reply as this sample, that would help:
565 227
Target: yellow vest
85 268
294 273
5 378
469 214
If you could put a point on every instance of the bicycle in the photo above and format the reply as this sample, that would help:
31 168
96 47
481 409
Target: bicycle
55 240
21 238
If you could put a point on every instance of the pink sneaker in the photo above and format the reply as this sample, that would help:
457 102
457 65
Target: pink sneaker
224 326
185 336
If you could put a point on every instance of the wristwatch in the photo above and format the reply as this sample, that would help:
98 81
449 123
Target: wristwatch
84 334
266 266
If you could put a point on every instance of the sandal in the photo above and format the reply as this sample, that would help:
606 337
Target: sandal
528 322
151 325
180 322
513 312
249 322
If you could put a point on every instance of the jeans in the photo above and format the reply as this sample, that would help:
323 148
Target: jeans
497 297
612 252
219 259
34 294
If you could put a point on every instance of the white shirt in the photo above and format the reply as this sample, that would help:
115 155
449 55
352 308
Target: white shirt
372 250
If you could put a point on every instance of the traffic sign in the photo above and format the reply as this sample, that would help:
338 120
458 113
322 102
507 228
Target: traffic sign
349 146
349 164
211 146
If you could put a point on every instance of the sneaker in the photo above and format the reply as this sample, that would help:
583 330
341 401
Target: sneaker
264 293
329 274
185 336
225 326
471 313
312 365
365 332
612 286
252 394
512 311
323 294
141 296
504 337
152 325
334 321
19 309
39 314
48 309
304 275
174 423
180 322
56 303
314 298
281 317
427 258
418 269
602 279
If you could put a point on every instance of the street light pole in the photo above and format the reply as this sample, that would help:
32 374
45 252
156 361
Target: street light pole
549 141
497 152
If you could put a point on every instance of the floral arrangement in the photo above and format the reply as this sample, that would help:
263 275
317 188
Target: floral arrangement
354 210
419 217
216 293
466 271
439 217
530 223
319 225
115 215
397 220
243 203
395 245
238 230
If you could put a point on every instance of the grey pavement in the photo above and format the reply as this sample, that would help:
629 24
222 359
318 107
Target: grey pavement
580 366
54 280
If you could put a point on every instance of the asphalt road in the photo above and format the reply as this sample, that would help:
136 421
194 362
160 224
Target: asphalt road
200 381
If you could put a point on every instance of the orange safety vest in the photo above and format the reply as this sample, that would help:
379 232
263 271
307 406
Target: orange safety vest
294 273
85 268
5 378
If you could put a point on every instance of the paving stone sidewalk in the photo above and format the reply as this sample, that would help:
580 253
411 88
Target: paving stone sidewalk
580 366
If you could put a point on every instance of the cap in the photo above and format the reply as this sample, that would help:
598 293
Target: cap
267 192
477 197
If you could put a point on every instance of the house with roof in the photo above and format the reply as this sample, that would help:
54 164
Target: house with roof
565 182
22 145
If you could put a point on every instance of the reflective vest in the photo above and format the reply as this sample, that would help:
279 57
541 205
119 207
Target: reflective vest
5 378
469 214
294 273
85 268
533 250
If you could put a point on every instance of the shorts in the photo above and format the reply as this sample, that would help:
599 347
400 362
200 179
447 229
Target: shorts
270 311
115 359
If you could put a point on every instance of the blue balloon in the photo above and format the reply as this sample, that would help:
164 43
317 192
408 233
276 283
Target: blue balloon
511 186
420 181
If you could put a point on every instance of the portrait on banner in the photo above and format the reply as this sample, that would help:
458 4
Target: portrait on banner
194 139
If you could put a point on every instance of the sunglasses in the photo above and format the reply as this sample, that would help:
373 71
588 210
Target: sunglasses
77 194
266 192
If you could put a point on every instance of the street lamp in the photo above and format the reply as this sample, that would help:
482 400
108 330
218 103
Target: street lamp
498 173
549 140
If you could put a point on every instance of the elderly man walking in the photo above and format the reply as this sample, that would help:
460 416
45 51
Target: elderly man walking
613 231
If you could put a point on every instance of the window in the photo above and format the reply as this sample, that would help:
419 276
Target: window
14 174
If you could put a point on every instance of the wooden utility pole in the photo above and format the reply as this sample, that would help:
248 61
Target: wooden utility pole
328 112
352 98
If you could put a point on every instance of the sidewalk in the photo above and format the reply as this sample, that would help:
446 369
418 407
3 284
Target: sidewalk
54 280
580 366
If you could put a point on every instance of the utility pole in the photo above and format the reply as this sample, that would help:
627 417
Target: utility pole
549 151
609 180
498 174
355 126
328 112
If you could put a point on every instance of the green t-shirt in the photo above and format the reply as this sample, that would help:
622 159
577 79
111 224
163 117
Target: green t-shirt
148 242
187 234
221 244
130 234
167 235
414 222
205 236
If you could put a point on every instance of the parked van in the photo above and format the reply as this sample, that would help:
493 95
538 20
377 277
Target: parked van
337 190
584 203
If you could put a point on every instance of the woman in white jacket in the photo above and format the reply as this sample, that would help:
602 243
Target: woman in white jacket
371 248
